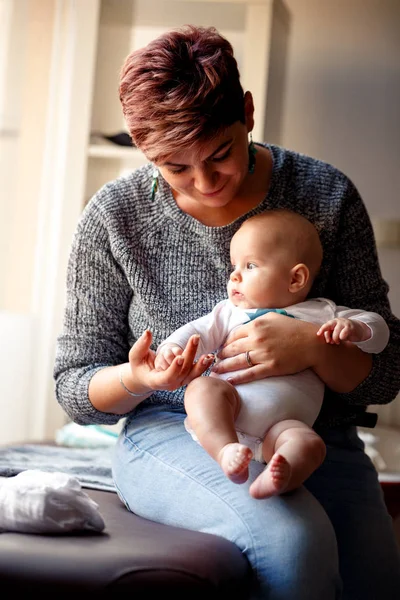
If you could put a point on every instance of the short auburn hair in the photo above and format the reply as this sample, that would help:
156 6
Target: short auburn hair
182 89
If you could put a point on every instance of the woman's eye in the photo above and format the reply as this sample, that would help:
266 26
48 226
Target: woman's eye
177 171
223 156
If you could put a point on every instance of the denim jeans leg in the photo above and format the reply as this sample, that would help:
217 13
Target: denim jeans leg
163 475
348 488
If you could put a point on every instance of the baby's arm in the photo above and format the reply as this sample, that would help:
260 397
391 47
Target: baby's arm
175 344
210 330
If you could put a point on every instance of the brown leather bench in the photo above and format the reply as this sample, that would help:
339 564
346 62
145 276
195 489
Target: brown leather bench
132 554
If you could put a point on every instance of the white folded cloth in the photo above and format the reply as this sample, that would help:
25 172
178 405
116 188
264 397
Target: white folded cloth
36 501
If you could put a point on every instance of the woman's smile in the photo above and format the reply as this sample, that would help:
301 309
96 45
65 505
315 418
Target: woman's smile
213 194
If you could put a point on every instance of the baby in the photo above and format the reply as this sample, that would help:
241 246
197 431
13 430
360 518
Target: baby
275 258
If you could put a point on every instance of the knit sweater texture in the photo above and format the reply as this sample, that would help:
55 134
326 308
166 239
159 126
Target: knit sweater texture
138 263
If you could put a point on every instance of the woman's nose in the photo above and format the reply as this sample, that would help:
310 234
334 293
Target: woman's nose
205 179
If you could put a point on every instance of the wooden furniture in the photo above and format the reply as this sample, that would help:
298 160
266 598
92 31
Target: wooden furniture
68 55
257 29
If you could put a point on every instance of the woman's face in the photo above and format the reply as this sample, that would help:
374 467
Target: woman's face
214 176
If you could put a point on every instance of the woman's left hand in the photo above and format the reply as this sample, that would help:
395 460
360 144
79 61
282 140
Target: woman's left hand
179 372
269 346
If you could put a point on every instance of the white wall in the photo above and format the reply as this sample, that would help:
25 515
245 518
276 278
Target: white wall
16 370
343 92
12 48
52 83
342 105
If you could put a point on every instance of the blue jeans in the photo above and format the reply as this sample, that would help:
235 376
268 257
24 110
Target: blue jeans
332 538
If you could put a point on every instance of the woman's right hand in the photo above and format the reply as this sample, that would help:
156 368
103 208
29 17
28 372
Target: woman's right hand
144 377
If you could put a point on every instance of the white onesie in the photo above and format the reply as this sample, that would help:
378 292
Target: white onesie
268 401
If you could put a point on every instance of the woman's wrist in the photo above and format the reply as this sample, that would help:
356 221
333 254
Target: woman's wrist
128 385
317 349
341 367
108 395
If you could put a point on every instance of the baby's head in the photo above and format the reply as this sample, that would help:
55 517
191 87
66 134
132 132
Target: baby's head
275 258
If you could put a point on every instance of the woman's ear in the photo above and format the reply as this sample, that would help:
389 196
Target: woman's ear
299 276
249 111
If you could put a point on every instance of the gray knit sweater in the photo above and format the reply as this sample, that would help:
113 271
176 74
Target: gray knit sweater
138 263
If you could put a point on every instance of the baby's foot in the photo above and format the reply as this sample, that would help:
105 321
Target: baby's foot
273 480
234 460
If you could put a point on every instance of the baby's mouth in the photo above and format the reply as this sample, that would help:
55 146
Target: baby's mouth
237 295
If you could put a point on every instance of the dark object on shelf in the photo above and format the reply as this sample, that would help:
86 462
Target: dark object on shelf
121 139
391 493
367 419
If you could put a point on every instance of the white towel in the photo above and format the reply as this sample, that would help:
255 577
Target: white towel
40 502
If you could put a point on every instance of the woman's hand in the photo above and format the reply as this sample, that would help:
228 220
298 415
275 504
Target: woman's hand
275 345
145 377
278 345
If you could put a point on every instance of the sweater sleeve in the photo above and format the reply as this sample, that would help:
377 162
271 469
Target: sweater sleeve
359 283
95 330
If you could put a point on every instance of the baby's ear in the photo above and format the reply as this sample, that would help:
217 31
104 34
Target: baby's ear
299 276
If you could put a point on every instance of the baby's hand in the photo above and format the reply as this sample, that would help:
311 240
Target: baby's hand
341 330
166 355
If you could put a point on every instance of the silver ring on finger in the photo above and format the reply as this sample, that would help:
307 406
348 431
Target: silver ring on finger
248 359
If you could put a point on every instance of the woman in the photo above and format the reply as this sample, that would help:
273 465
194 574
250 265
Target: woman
151 252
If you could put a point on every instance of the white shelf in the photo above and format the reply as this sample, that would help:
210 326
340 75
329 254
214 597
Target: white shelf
104 150
257 30
232 1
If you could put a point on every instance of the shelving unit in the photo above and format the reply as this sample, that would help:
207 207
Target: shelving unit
100 148
257 29
69 54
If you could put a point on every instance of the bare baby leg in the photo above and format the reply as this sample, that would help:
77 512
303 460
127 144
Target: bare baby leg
292 451
212 406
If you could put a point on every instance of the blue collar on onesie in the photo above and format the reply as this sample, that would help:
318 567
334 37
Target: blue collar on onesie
258 312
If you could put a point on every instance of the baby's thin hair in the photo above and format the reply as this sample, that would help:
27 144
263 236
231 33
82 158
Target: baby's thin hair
297 233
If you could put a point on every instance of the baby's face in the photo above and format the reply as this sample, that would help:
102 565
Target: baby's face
260 275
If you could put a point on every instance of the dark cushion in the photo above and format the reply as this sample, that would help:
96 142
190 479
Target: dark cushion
132 554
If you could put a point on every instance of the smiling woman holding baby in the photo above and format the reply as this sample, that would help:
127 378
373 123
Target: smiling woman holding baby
151 253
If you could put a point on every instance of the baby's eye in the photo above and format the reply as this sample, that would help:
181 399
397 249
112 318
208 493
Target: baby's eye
251 266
